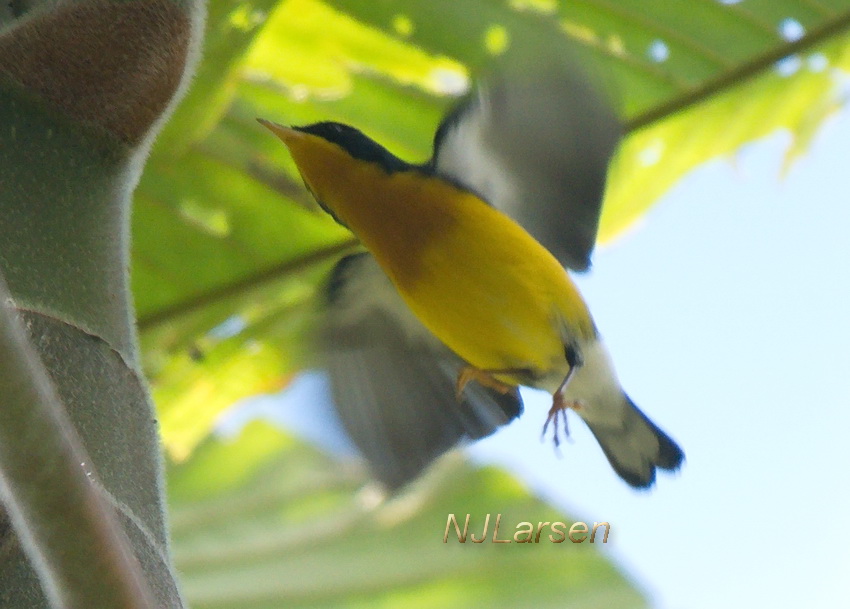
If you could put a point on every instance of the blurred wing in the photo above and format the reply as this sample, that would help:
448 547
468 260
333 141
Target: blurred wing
535 142
393 382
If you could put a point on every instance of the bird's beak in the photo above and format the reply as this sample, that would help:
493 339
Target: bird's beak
287 134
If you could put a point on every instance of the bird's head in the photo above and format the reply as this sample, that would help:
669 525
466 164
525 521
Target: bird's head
322 138
326 153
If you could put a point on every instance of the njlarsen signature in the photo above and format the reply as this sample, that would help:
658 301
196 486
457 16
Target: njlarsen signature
526 532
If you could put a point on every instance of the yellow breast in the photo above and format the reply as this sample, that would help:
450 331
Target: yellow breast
472 275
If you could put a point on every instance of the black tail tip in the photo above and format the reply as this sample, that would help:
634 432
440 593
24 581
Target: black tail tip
669 457
638 448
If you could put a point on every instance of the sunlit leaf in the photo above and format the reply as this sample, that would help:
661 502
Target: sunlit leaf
653 159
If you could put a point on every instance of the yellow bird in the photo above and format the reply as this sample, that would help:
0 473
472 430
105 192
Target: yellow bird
499 307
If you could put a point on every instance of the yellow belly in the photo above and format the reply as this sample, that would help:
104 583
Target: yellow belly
494 320
494 295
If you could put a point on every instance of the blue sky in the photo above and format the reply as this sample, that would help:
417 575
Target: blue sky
727 313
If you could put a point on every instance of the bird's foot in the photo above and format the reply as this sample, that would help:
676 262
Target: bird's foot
482 377
558 414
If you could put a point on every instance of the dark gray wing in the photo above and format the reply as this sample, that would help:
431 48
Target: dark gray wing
534 140
393 382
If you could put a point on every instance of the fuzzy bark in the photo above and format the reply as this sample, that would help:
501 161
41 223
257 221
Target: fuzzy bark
84 87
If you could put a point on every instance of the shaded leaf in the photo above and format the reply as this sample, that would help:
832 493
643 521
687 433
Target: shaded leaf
265 521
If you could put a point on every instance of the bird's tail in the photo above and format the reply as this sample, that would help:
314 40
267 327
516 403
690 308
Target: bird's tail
635 446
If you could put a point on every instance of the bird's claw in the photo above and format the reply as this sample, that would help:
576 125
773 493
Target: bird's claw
558 413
